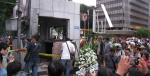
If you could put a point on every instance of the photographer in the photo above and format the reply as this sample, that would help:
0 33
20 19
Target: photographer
124 65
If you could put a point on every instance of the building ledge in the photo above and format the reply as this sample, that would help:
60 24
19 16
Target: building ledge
129 32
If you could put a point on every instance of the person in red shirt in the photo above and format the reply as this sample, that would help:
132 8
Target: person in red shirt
145 56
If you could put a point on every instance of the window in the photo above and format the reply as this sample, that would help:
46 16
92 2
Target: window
142 2
137 24
110 15
138 12
138 18
113 2
133 4
114 8
118 22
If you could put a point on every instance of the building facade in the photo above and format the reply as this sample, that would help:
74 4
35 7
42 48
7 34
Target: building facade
126 15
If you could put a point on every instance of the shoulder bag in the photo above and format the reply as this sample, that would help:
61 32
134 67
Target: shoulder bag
71 56
27 56
113 63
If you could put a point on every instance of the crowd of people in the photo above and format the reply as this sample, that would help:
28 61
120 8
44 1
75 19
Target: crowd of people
116 57
12 67
112 51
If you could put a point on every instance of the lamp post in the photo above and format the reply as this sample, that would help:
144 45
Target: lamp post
19 29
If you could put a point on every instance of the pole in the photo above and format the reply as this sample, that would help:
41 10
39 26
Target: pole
84 31
19 31
88 20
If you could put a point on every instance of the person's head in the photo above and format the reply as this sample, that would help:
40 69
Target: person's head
143 40
115 39
5 35
123 41
55 68
107 39
104 71
10 39
136 43
100 38
145 56
13 68
119 41
112 52
128 52
134 72
67 39
35 38
147 41
132 44
142 47
135 50
4 48
119 47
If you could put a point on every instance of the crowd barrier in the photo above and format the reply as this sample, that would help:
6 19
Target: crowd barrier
42 54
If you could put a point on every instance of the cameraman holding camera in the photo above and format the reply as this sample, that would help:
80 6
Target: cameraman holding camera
125 65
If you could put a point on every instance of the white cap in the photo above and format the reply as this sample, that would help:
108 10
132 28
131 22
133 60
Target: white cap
132 43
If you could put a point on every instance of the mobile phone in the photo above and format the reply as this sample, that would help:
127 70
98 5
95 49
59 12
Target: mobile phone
135 61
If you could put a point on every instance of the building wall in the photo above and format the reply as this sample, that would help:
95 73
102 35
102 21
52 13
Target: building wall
125 14
56 9
149 15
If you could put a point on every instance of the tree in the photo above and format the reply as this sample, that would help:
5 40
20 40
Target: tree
6 12
83 9
143 33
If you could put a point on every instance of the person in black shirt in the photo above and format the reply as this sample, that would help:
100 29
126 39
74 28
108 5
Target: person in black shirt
101 48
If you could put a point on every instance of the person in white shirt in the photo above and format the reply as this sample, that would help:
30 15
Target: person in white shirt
119 51
65 57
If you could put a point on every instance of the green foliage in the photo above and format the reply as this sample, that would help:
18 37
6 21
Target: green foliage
95 46
104 35
83 9
143 33
6 11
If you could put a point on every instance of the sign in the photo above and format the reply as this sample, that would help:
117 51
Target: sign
11 24
76 27
84 17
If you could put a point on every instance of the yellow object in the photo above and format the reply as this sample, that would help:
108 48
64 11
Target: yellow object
87 29
10 45
42 54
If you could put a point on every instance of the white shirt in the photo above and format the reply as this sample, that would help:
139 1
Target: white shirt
65 51
120 53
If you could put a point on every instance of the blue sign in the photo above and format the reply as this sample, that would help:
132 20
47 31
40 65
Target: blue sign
76 27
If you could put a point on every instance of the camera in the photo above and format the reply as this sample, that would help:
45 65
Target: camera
135 61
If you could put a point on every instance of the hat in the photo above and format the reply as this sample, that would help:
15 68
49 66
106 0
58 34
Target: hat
142 46
119 47
132 43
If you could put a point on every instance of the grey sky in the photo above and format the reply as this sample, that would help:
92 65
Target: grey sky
86 2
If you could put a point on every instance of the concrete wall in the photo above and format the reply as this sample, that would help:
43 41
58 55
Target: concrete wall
56 9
